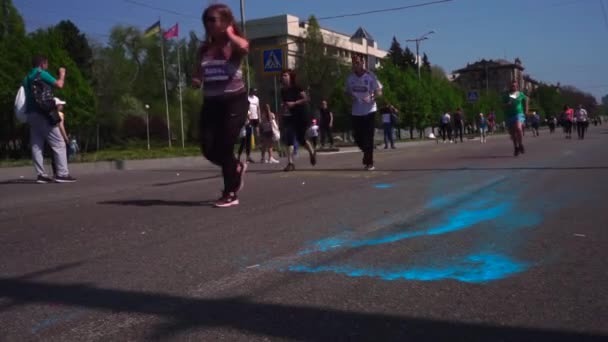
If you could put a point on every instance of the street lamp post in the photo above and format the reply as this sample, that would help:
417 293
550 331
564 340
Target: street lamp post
148 125
243 28
418 40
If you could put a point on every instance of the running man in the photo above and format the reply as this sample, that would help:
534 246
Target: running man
295 118
582 121
363 87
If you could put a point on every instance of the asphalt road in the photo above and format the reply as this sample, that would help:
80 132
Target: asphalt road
442 242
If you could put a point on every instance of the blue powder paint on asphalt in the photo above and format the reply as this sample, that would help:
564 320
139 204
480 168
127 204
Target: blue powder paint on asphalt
477 268
383 186
56 320
475 213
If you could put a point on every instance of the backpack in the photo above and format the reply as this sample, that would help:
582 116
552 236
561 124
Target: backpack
21 105
45 100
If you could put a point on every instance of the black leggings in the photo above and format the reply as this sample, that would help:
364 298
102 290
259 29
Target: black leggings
294 129
446 129
221 120
326 135
364 128
458 132
581 128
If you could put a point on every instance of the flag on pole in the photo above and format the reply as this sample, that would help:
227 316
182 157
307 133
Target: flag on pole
152 30
172 32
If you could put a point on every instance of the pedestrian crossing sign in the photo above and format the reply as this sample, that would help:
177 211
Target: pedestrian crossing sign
272 60
472 96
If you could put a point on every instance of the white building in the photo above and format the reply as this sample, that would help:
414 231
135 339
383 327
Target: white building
288 31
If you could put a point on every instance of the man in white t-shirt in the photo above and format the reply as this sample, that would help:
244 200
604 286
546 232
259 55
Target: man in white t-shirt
363 87
446 127
253 116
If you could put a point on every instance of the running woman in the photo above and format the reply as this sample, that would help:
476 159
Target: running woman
295 118
218 70
568 121
516 105
363 87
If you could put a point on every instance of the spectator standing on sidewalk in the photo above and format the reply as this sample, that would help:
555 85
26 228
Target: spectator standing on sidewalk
60 111
327 124
388 120
458 125
42 129
483 128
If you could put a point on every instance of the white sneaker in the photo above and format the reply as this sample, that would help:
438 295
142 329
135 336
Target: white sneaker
273 161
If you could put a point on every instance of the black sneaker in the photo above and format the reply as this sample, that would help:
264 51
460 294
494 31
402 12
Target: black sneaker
226 201
64 179
42 179
289 167
521 149
313 158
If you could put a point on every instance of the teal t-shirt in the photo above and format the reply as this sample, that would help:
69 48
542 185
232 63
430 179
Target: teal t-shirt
27 82
518 104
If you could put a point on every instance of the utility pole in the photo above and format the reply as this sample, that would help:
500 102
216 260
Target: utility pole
417 41
245 33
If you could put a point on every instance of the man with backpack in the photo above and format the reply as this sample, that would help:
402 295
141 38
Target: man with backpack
43 120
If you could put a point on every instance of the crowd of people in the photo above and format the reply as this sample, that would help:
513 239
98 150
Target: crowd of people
233 114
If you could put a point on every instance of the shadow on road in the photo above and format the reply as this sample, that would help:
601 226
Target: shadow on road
184 314
216 175
19 181
159 203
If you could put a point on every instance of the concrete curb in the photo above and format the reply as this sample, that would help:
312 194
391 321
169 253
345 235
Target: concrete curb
77 169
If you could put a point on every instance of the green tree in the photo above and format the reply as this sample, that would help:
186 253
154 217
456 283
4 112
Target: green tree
409 59
395 53
77 46
426 65
318 68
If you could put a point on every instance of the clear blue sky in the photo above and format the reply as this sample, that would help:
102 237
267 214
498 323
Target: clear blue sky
558 40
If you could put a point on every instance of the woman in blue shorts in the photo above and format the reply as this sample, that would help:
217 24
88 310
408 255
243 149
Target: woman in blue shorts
516 105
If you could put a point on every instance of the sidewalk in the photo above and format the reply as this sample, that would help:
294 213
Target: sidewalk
76 169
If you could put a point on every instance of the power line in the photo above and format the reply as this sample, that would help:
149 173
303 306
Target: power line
142 4
339 16
394 9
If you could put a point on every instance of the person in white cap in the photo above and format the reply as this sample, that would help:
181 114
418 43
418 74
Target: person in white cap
60 107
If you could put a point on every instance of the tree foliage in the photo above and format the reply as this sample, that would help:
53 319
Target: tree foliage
318 68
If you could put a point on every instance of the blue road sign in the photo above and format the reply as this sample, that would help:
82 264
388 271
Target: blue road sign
473 96
273 60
